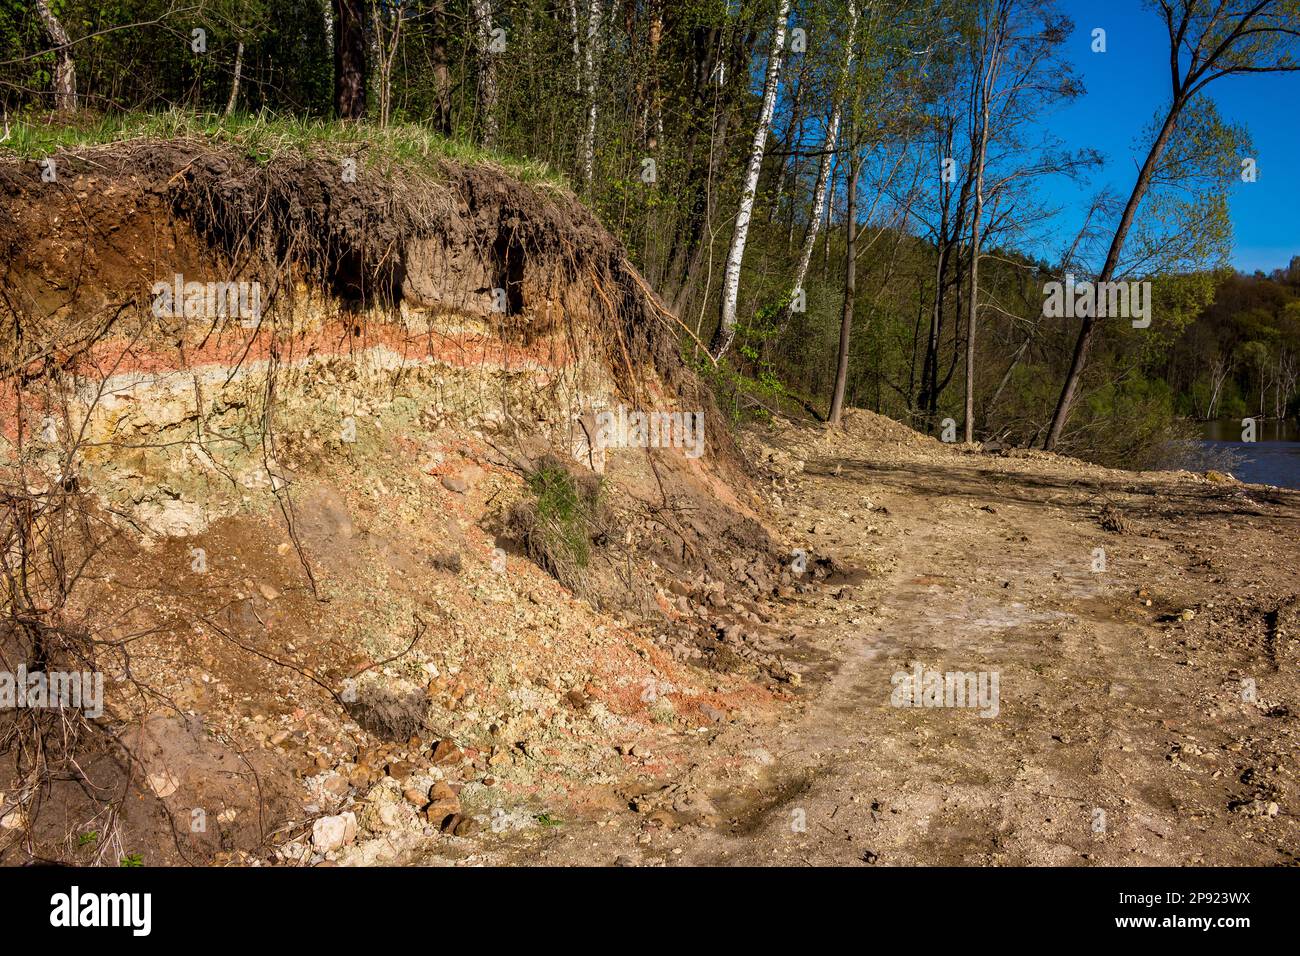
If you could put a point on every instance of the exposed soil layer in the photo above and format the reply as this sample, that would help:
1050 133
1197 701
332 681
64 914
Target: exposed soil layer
295 559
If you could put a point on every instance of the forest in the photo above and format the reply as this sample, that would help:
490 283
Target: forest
840 200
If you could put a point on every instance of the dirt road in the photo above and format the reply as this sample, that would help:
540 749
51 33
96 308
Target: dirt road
1144 713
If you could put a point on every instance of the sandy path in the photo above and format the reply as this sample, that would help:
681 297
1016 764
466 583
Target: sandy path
1122 732
1113 743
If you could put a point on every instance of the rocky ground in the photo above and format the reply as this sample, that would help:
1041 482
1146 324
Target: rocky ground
1142 629
1146 712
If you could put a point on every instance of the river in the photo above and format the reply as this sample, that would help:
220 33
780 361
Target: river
1273 459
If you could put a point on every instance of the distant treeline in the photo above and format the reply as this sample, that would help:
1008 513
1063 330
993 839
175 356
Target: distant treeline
1241 357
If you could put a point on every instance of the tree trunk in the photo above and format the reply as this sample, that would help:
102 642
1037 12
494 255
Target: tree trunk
830 218
850 290
930 367
349 60
234 83
589 67
65 70
979 154
487 73
577 46
731 275
824 168
1070 390
385 54
441 71
656 97
819 201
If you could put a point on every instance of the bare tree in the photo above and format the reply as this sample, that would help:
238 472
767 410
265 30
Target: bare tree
992 39
850 291
387 37
828 151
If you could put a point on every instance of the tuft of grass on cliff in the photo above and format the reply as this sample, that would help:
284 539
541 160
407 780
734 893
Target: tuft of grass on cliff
264 137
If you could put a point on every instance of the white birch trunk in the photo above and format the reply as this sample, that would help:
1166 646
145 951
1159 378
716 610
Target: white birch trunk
65 70
234 84
487 79
589 80
731 277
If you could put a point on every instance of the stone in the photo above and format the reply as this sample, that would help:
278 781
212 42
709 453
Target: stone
446 752
577 699
459 825
173 518
443 803
455 484
334 833
362 776
163 784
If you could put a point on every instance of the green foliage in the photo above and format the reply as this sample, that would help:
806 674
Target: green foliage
1131 421
675 83
564 511
748 386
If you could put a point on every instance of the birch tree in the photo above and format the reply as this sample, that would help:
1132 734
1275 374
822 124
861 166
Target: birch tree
731 275
589 68
234 82
487 73
65 70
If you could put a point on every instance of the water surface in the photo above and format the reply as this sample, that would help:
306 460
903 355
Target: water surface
1273 459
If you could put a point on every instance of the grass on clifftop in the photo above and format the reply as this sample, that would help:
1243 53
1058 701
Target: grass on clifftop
264 137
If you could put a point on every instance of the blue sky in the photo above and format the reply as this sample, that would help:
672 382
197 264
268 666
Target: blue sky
1130 81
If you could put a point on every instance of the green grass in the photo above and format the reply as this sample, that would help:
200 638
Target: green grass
263 137
563 511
